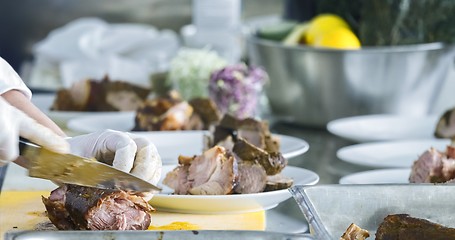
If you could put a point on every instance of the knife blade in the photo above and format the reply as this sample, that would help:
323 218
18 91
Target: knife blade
72 169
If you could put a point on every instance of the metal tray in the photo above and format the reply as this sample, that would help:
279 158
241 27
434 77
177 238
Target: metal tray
151 235
330 209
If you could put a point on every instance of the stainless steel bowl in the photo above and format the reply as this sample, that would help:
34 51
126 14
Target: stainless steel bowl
313 86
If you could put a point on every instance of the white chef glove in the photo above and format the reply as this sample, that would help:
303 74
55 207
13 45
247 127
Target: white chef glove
15 123
124 151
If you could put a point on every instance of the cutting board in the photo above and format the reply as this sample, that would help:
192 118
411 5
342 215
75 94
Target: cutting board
24 210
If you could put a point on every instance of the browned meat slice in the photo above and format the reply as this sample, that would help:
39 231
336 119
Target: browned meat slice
212 173
445 128
404 227
206 110
178 180
278 182
123 96
450 152
251 130
81 208
428 168
272 144
251 178
186 160
273 163
105 95
162 114
355 232
177 117
448 169
56 211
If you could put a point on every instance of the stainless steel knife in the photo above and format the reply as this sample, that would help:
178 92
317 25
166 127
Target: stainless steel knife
72 169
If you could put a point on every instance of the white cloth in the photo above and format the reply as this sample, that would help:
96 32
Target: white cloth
9 80
124 151
15 123
92 48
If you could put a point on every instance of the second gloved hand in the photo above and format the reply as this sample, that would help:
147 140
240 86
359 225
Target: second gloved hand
15 123
124 151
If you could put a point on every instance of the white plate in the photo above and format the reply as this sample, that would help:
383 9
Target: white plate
383 127
382 176
390 154
170 144
121 121
229 204
45 101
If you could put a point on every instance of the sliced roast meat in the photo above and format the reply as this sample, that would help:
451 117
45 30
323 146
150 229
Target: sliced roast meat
254 131
427 168
355 232
278 182
272 144
405 227
450 152
74 207
104 95
177 179
186 160
251 178
273 163
227 143
162 114
211 173
448 169
206 110
56 211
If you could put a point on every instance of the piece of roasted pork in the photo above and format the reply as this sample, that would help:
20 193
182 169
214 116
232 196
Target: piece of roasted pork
72 207
170 112
405 227
355 232
105 95
218 171
211 173
230 129
434 166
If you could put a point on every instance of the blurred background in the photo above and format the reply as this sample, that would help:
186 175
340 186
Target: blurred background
24 23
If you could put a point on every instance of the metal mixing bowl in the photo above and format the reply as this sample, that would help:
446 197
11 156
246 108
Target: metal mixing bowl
313 86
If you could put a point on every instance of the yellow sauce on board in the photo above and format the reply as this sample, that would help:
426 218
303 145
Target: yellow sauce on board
176 226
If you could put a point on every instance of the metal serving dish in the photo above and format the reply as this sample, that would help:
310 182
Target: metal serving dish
312 86
330 209
151 235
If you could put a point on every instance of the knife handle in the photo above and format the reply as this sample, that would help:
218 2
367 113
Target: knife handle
22 161
22 145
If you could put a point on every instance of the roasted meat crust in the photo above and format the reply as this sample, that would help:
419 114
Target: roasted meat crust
354 232
273 163
404 227
74 207
104 95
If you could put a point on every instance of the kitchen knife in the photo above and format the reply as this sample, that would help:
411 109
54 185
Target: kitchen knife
72 169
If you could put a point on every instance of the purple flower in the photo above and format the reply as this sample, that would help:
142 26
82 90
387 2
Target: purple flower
236 89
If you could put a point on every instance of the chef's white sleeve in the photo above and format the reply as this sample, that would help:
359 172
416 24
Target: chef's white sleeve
10 80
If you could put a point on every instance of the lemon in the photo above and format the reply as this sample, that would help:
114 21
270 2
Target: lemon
297 35
323 23
341 38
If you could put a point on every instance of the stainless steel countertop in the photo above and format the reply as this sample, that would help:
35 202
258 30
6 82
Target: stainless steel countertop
321 157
